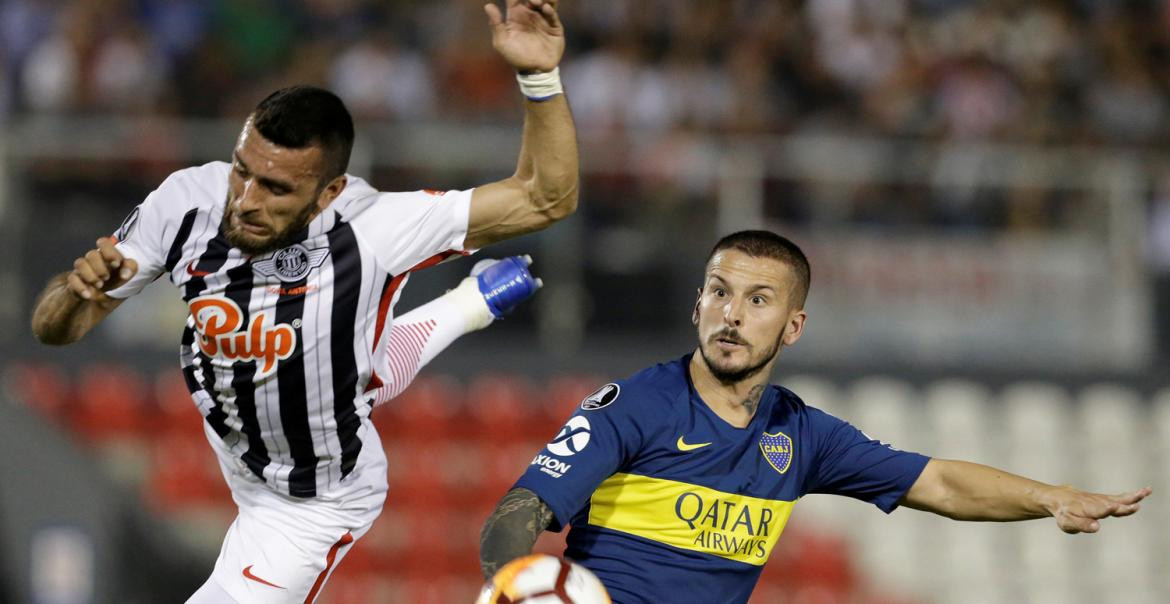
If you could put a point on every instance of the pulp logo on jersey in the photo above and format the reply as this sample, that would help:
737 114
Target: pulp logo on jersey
777 450
292 263
218 321
572 438
550 465
602 397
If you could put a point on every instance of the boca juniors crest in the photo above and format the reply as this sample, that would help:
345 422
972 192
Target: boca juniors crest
777 449
292 263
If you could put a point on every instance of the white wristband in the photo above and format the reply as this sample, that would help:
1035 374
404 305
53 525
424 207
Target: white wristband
541 86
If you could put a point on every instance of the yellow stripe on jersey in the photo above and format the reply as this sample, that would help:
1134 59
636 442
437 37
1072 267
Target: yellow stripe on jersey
690 517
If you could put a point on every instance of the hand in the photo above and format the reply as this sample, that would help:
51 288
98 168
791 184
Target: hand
100 270
529 36
1078 512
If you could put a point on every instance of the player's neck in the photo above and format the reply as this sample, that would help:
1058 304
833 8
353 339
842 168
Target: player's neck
736 402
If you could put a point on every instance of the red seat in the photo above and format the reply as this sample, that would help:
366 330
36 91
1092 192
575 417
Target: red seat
175 412
184 472
424 412
500 406
42 387
112 403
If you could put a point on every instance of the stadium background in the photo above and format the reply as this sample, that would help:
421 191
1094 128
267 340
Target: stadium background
982 188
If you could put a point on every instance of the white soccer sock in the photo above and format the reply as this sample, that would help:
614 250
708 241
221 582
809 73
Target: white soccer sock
421 334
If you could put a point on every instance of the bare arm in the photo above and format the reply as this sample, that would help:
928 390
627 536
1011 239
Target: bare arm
968 491
74 302
544 188
512 529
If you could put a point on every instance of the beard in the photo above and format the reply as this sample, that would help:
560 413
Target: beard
250 245
729 375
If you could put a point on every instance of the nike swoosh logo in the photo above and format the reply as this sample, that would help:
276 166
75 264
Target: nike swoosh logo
682 446
191 270
248 575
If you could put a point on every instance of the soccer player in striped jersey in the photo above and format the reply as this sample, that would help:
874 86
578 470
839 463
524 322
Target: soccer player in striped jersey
678 481
291 269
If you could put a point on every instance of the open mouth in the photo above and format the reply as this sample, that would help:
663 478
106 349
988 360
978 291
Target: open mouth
727 343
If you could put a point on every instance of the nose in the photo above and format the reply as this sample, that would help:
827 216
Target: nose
249 199
733 312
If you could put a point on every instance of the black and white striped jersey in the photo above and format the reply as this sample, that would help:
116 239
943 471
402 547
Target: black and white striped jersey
280 350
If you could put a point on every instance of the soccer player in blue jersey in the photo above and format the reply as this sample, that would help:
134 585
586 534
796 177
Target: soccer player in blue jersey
678 481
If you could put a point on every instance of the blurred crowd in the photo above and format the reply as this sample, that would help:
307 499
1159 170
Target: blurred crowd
1081 71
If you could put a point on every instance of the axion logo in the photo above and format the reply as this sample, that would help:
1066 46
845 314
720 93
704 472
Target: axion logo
218 321
550 465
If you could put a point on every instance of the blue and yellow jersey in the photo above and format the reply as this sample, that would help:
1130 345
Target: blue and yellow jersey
668 502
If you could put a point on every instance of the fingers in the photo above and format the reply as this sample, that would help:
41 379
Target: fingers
105 246
495 17
1133 496
92 269
80 288
1077 524
548 10
100 269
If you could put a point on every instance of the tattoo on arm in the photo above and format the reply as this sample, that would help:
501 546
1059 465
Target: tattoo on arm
753 398
512 529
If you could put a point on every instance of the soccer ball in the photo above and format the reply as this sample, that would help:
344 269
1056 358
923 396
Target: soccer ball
543 579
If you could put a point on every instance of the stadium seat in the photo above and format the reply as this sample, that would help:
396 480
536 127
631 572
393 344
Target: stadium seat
888 410
43 387
962 422
1039 431
175 411
112 403
1113 422
1114 436
814 391
971 562
557 401
501 407
184 472
426 411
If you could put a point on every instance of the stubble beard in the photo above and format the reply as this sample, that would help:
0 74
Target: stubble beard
242 241
733 376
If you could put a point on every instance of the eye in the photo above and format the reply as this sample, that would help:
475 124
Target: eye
758 300
719 292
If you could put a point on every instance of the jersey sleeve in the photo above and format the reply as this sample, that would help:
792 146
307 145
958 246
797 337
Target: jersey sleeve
850 463
407 229
145 234
590 447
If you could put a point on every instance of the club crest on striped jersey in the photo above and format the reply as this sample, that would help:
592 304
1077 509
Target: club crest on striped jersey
777 449
292 263
221 333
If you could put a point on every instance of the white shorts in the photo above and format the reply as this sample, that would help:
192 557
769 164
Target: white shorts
282 549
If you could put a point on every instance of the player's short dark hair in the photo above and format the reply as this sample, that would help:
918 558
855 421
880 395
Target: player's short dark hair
301 116
766 244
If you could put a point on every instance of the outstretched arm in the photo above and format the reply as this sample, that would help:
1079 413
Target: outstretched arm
543 190
968 491
74 302
512 529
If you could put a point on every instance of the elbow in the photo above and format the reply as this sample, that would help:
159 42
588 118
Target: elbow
44 335
50 338
561 204
49 334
